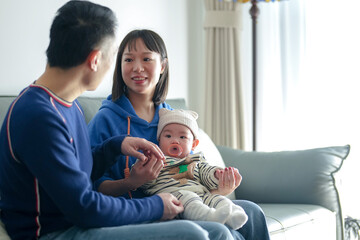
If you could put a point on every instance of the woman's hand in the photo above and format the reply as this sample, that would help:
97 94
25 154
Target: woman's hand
147 168
144 171
229 179
131 146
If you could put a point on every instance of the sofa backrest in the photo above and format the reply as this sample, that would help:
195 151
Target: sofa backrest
90 105
5 102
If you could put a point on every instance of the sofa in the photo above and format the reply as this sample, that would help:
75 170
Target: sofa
297 190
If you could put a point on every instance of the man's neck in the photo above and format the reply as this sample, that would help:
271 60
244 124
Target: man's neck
66 84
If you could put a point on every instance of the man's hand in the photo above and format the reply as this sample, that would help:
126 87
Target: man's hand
229 180
131 146
172 206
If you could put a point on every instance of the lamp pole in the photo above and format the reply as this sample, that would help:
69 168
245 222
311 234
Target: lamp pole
254 12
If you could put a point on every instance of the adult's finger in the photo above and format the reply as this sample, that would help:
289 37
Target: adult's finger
132 145
227 177
222 179
178 207
152 148
151 161
154 166
172 206
238 177
231 177
158 166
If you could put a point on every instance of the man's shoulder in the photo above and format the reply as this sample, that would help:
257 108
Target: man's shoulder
31 109
30 102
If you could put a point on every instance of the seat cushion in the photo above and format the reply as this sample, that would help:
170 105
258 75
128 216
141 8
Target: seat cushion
299 221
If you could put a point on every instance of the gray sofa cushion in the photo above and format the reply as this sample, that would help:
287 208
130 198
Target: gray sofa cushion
91 105
292 177
299 221
5 102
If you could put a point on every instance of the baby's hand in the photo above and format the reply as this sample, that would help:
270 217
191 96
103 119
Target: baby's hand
229 179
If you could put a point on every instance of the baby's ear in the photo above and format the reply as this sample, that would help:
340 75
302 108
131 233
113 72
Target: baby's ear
195 143
193 114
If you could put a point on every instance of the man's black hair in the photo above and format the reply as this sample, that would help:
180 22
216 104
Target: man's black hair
78 28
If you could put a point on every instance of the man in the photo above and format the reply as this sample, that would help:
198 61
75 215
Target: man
45 155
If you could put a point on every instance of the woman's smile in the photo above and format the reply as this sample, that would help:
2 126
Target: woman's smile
139 79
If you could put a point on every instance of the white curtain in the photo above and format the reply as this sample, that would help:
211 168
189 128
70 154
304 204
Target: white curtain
308 73
280 60
224 121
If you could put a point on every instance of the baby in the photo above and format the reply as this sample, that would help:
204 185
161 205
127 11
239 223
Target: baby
187 176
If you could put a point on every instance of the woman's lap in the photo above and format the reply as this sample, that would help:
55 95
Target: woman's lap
177 229
219 231
255 229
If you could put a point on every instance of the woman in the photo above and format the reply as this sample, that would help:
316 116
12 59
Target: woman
140 87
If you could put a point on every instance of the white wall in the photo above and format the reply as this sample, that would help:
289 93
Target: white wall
25 26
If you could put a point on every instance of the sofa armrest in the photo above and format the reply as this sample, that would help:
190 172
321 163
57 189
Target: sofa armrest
298 177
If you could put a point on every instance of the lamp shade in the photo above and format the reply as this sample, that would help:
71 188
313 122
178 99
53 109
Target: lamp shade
244 1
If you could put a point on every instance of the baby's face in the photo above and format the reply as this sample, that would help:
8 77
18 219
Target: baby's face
176 140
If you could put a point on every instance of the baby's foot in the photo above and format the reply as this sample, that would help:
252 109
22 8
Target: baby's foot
220 214
237 219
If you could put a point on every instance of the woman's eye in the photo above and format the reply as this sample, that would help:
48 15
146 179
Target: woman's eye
127 60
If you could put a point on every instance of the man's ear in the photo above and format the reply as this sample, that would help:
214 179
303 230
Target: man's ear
93 60
195 143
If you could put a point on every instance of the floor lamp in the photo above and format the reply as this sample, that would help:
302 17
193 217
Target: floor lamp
254 12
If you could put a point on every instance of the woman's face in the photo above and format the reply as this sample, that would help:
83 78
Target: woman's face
141 69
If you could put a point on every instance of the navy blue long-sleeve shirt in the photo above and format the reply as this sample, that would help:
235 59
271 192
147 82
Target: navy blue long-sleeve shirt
46 164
